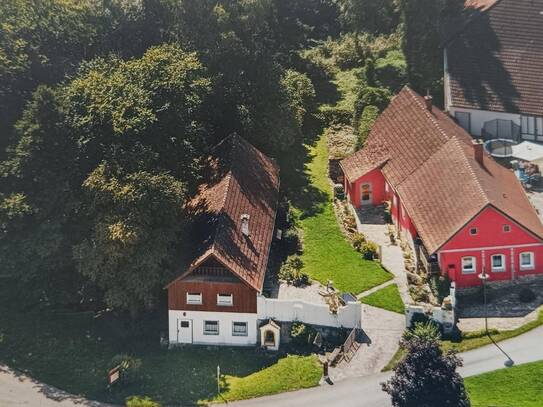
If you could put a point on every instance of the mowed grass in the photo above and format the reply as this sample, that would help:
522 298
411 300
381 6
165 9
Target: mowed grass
387 298
290 373
474 340
519 386
73 352
326 253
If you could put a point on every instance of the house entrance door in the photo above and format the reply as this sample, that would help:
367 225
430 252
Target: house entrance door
365 194
184 331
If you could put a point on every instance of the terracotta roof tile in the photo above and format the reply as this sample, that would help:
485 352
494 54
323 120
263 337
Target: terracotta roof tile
495 62
429 160
240 180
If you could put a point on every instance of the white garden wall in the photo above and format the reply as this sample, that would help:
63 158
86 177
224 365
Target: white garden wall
348 316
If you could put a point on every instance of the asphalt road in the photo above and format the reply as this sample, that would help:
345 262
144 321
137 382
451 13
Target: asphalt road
20 390
366 391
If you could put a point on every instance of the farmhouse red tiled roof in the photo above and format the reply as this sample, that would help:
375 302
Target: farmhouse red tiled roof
495 62
429 160
240 180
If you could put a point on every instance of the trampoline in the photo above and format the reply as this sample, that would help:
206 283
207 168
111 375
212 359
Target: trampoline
500 147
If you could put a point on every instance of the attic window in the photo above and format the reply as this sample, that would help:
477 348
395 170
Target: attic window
194 298
225 300
506 228
473 231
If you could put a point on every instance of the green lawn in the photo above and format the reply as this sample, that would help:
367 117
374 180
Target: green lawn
474 340
387 298
290 373
327 255
73 352
519 386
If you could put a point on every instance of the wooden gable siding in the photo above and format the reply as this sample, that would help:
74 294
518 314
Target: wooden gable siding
244 297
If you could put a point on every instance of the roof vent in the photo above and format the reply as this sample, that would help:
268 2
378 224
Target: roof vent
245 224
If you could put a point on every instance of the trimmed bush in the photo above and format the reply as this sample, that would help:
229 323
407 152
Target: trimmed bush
137 401
391 71
291 241
335 115
526 295
369 250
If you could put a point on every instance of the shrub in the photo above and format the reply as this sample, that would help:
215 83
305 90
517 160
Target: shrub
368 118
339 191
388 216
369 250
291 272
526 295
335 115
370 96
302 334
419 294
137 401
130 367
428 330
358 241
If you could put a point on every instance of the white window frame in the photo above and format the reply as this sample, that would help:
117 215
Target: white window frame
194 298
234 333
531 126
530 266
225 300
207 332
474 230
506 228
498 269
472 270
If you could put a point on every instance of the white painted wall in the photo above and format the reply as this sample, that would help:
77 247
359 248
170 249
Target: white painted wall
348 316
480 117
225 319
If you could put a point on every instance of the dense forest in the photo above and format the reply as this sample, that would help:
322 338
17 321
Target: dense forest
107 108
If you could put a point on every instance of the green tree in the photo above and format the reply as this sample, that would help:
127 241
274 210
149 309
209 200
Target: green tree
135 219
372 16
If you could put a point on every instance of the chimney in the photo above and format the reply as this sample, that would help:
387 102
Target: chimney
478 151
245 224
428 102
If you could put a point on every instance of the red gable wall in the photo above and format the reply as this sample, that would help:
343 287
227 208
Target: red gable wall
489 240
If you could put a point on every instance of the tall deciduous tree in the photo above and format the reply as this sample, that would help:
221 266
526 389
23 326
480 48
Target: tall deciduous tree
426 377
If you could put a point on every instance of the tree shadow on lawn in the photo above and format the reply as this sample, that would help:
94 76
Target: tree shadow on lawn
296 182
73 352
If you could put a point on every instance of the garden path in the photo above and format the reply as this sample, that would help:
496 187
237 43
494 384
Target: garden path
382 331
370 222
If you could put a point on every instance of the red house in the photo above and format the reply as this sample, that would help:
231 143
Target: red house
463 212
214 301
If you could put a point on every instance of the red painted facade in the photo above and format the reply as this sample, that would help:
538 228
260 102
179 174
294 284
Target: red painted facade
491 238
489 234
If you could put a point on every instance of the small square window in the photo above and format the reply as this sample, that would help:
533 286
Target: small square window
498 262
473 231
468 265
239 329
194 298
225 300
526 261
506 228
211 327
